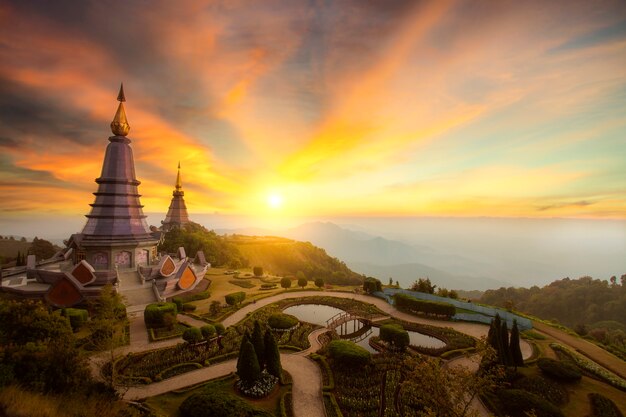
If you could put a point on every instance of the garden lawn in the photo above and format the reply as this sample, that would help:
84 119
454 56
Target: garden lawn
168 404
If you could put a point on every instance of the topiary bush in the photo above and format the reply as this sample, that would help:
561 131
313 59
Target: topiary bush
518 403
559 370
410 304
189 307
219 328
235 298
208 331
603 407
192 335
395 335
76 316
282 321
154 314
257 271
285 283
348 354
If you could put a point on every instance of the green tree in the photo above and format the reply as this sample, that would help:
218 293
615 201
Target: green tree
108 326
319 282
371 285
505 353
215 308
285 283
42 249
272 355
395 335
258 343
257 271
516 352
39 348
423 285
446 391
192 335
302 282
248 368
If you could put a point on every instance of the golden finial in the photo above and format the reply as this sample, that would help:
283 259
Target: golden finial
179 183
119 125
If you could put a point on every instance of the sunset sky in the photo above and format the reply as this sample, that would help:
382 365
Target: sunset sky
355 107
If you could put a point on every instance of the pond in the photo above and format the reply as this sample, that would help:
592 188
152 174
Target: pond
319 314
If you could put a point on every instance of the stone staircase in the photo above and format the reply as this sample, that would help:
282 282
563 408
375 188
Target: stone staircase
136 294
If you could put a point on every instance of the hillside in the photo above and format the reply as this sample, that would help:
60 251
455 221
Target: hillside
287 257
276 255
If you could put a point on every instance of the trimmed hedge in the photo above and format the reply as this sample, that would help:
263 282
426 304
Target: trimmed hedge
235 298
517 403
192 335
603 407
395 335
154 313
268 286
348 354
282 321
559 370
208 331
410 304
76 316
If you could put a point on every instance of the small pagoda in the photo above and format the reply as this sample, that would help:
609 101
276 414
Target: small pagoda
177 215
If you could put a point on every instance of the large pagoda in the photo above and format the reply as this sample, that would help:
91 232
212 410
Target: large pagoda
116 233
177 215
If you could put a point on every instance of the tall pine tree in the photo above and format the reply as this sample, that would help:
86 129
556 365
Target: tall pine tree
272 355
505 353
248 368
259 345
516 352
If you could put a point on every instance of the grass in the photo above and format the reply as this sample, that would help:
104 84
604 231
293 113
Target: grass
168 404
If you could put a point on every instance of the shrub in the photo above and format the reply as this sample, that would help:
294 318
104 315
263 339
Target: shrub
219 328
348 354
76 316
285 283
411 304
154 314
192 335
189 307
179 303
603 407
591 367
302 282
395 335
545 388
559 370
319 282
218 404
282 321
268 286
517 403
371 285
235 298
208 331
257 271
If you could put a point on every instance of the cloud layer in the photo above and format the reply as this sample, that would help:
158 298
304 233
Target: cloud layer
462 108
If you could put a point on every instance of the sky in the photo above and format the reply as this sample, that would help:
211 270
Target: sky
319 108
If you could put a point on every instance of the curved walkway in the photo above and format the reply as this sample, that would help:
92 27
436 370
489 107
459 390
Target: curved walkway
306 375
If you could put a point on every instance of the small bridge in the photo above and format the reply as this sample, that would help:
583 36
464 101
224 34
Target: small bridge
360 328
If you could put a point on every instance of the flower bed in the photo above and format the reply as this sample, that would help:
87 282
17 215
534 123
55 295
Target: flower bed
591 367
260 388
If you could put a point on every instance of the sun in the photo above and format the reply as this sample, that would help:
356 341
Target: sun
274 201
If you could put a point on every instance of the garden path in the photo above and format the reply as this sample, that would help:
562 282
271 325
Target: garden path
472 363
306 390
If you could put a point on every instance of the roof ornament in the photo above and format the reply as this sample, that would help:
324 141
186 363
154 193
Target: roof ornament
179 183
119 125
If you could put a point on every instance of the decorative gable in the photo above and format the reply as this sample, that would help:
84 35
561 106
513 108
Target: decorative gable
84 273
64 293
167 267
187 278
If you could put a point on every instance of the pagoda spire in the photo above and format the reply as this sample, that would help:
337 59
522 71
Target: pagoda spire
179 183
119 125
